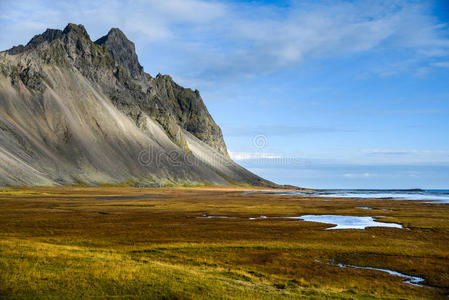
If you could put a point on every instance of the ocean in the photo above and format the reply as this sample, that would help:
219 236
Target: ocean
434 196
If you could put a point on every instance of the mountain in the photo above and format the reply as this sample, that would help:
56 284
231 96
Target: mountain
74 111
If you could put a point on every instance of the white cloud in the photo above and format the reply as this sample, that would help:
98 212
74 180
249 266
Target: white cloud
253 155
229 39
443 64
151 20
405 152
308 31
257 159
360 175
404 156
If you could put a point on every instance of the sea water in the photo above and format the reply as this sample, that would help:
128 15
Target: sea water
433 196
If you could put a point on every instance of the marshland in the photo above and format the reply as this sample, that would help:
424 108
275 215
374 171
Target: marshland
143 243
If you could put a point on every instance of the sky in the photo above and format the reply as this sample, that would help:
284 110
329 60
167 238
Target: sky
320 94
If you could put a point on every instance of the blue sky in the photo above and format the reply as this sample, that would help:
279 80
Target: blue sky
323 94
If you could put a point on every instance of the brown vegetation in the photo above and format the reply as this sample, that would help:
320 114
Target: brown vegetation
74 243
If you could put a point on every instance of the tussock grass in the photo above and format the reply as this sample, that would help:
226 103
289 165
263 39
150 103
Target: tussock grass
66 243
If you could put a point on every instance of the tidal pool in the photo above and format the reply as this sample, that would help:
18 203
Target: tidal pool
206 216
257 218
346 222
340 222
413 280
371 208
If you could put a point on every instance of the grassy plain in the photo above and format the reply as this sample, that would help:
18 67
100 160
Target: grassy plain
74 243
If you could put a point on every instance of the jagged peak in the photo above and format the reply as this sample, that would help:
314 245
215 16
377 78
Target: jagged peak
122 50
116 37
77 29
50 35
115 32
164 76
47 36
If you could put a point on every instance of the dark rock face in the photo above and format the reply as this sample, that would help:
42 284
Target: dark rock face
48 36
76 29
122 51
189 109
90 111
173 106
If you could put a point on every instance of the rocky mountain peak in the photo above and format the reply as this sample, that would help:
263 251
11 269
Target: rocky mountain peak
122 51
90 112
76 29
133 91
50 35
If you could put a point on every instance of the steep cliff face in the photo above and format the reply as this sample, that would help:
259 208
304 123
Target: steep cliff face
173 106
73 110
122 51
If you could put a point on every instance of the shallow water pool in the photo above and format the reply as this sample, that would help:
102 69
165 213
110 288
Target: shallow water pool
346 222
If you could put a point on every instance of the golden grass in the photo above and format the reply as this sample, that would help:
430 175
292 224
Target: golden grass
66 243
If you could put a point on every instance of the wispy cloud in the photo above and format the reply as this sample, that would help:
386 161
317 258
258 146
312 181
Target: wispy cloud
253 155
234 39
387 152
442 64
405 152
265 159
401 156
360 175
407 112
